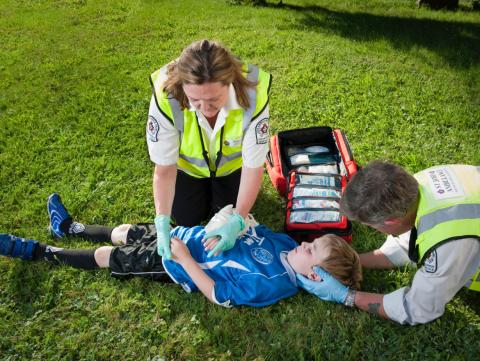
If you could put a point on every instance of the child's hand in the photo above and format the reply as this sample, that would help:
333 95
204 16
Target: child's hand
180 251
210 243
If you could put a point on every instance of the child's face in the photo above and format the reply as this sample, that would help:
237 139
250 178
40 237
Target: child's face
304 257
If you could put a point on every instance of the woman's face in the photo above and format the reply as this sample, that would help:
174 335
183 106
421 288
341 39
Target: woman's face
208 98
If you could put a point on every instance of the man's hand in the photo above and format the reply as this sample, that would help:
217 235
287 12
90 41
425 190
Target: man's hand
180 251
227 233
162 224
329 289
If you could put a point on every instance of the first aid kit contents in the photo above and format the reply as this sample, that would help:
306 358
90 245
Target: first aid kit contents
330 168
313 159
319 180
313 216
294 150
310 167
300 191
300 203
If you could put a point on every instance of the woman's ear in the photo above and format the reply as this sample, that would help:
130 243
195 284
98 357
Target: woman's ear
313 276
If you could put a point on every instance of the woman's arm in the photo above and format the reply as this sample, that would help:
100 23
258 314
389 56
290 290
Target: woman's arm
164 178
250 183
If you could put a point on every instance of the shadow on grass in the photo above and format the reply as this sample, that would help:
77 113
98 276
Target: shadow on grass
32 286
458 43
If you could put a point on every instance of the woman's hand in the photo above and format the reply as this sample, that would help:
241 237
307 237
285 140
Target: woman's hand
180 251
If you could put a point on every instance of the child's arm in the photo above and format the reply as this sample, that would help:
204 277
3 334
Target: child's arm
181 254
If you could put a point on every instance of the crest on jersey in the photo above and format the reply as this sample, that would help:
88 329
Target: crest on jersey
261 255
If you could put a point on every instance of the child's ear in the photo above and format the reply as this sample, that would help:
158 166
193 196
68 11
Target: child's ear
313 276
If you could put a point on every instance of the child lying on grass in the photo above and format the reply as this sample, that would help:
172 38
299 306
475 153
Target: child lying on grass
260 270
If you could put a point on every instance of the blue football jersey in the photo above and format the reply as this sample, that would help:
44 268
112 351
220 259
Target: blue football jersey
253 273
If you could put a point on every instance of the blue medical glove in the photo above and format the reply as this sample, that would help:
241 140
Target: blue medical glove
162 224
329 289
228 233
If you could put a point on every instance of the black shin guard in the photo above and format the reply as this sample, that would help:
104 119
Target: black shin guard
77 258
96 234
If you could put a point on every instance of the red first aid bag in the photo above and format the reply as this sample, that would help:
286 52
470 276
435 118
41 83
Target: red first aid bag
311 167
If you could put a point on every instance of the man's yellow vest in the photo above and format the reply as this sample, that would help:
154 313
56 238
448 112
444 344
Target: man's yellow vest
194 158
448 209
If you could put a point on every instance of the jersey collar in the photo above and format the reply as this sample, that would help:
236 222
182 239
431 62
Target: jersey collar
289 269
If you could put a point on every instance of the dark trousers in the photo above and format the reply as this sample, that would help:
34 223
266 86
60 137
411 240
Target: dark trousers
197 199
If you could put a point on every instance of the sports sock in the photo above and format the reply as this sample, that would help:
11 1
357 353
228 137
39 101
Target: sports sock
92 233
77 258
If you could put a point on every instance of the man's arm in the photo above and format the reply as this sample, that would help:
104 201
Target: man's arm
370 302
250 183
182 255
375 259
330 289
164 178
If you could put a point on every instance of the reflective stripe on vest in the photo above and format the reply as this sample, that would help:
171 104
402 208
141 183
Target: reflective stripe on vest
475 285
192 153
449 207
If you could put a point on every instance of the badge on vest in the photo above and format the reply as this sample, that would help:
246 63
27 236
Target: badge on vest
430 263
444 184
152 129
261 131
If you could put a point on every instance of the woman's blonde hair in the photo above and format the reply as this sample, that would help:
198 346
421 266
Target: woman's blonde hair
343 262
202 62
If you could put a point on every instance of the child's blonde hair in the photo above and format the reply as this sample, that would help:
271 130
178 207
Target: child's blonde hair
343 262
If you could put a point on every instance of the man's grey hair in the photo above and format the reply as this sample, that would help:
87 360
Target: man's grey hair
378 192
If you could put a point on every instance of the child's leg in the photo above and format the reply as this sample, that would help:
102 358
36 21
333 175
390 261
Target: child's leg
102 256
27 249
62 224
138 257
119 234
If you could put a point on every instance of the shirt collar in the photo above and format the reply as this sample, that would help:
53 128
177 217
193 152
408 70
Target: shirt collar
290 271
231 103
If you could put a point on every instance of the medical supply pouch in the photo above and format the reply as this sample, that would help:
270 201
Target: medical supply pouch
313 206
322 150
310 167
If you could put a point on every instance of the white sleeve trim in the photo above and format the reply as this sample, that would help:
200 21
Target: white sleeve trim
226 304
254 149
163 138
396 250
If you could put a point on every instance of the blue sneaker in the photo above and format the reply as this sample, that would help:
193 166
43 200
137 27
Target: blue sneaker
12 246
57 213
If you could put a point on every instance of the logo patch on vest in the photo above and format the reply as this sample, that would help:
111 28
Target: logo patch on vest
430 263
261 131
261 255
152 129
443 183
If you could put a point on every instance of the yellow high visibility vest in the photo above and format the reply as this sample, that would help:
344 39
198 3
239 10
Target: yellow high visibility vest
194 158
448 209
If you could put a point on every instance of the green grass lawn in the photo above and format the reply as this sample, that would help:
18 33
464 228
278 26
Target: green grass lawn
402 82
